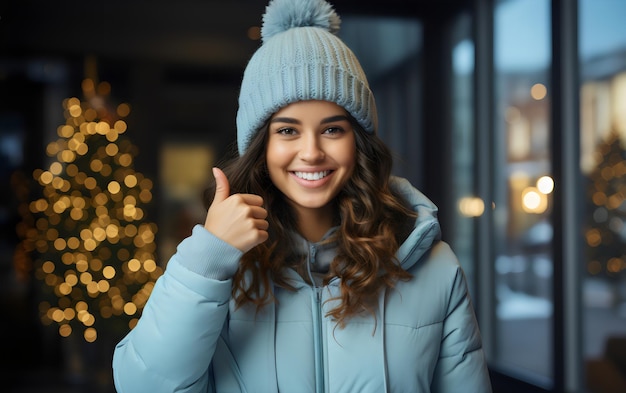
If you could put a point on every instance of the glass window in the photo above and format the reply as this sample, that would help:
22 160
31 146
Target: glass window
602 43
522 187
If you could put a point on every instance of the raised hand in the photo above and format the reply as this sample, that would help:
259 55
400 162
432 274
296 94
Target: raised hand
238 219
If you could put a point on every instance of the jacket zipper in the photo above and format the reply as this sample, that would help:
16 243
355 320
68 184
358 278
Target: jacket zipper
318 340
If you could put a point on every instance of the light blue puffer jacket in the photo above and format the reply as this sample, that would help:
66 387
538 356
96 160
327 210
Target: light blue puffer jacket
191 339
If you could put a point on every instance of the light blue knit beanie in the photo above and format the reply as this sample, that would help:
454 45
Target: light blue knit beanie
300 59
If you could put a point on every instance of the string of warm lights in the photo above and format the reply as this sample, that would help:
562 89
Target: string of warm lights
92 247
605 231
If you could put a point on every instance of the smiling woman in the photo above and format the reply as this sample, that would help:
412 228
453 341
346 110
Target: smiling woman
308 243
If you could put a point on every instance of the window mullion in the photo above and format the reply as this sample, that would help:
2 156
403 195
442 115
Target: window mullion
567 196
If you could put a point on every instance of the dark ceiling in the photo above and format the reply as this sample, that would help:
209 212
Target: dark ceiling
187 32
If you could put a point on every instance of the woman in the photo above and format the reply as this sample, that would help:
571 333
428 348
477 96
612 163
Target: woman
315 270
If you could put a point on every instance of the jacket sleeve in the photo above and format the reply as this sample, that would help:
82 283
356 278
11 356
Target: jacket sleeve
461 365
171 347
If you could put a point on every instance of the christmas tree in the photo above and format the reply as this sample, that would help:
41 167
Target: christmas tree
605 229
90 244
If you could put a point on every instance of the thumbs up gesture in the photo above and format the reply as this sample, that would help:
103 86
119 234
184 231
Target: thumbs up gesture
238 219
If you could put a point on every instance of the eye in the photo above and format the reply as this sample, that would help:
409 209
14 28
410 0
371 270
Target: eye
333 130
286 131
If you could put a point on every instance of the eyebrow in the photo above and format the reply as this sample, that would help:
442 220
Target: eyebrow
291 120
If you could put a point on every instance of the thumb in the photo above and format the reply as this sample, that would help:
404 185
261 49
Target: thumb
222 188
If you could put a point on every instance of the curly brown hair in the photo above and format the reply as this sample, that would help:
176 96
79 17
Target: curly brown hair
372 222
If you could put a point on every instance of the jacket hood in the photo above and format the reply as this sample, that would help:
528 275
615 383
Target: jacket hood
426 230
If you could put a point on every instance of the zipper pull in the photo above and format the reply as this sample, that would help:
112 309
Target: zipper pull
312 254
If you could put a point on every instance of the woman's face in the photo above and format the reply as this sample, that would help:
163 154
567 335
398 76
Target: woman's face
310 152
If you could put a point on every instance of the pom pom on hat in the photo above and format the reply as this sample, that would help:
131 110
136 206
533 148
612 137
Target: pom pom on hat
282 15
301 59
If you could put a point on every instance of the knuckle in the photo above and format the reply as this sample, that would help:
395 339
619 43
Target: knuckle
237 198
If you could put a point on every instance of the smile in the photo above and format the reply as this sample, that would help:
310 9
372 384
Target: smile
312 175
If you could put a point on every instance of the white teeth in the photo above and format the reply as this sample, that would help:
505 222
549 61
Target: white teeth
312 175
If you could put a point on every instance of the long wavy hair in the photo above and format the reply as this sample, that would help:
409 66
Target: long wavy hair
372 220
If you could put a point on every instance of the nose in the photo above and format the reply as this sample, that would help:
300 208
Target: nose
311 149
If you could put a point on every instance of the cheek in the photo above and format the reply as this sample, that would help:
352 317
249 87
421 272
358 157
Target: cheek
276 157
346 157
